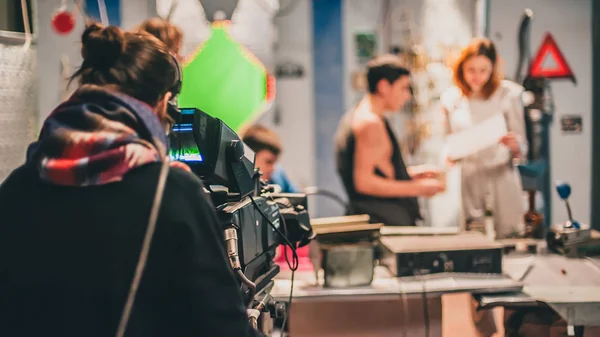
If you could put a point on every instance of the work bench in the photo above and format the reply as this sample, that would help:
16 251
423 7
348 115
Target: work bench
393 306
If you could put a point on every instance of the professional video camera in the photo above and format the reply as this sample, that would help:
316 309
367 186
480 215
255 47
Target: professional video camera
254 217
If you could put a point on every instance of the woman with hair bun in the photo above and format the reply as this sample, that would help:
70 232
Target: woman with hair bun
75 214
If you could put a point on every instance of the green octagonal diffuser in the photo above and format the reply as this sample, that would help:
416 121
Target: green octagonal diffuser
225 80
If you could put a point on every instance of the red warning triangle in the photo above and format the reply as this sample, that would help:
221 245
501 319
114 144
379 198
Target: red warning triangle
549 62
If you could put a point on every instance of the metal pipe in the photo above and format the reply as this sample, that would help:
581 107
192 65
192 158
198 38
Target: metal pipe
482 18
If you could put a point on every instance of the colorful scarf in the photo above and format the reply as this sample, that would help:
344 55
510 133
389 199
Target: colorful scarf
97 137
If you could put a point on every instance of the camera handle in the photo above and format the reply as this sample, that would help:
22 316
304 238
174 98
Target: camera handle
141 264
265 311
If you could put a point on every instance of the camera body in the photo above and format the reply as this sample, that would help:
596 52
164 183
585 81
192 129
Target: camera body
255 219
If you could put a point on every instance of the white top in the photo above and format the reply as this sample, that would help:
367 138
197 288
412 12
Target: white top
464 112
489 176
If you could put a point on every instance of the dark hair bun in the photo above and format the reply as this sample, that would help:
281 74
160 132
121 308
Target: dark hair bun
102 46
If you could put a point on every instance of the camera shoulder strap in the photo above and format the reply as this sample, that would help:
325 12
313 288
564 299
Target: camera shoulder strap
139 270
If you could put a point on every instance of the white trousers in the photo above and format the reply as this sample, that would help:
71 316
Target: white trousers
501 188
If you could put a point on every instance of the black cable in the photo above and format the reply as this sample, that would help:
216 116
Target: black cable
293 266
295 257
405 310
317 191
251 285
425 308
287 260
285 239
287 311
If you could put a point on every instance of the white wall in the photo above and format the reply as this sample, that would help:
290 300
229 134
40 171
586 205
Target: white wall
431 22
133 12
251 25
53 47
295 96
358 17
569 21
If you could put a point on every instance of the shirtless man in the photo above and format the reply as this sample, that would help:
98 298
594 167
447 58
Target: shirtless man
369 160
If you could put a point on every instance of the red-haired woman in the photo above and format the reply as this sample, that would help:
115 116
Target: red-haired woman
478 95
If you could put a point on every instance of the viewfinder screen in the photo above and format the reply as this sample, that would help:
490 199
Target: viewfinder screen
183 145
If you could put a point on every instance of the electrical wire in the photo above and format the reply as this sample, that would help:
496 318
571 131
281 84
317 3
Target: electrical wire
251 285
313 190
285 239
405 310
287 314
287 260
425 306
295 261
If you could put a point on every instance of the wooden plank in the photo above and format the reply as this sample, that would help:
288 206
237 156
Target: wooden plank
412 244
321 230
339 220
417 230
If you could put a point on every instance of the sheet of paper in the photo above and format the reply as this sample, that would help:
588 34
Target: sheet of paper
476 138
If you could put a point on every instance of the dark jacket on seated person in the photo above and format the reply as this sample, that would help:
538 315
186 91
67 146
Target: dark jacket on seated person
73 221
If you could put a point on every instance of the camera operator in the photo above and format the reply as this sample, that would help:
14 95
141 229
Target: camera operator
75 214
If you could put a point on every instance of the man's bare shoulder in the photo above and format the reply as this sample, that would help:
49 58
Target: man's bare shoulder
368 124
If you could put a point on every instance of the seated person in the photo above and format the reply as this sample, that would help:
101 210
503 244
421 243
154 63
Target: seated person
267 146
369 160
75 214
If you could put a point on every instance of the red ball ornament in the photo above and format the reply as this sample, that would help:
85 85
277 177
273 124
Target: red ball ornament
63 22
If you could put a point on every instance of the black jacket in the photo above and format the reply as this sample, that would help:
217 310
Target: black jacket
68 254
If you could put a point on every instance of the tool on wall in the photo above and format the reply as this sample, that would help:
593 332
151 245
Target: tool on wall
539 114
535 173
